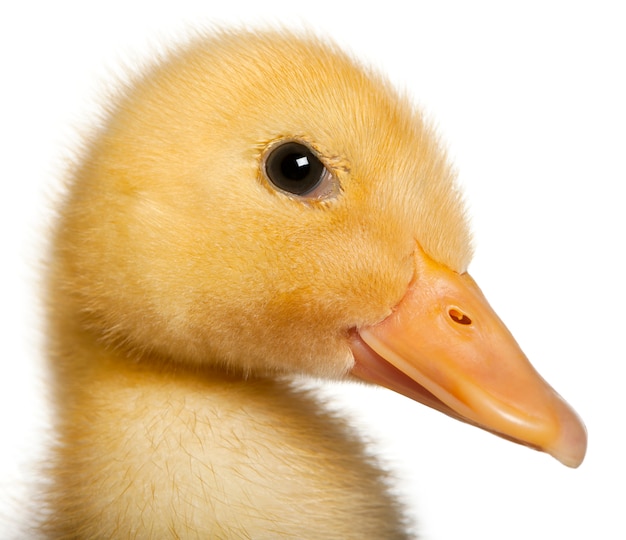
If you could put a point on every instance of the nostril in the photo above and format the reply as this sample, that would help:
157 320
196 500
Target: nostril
459 317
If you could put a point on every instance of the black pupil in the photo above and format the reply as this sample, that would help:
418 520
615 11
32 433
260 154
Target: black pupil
294 168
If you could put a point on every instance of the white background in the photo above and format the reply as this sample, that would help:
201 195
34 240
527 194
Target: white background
529 98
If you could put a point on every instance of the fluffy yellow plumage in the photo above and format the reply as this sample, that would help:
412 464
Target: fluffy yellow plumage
183 285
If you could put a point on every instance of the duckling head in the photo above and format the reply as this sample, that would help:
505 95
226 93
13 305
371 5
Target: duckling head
260 203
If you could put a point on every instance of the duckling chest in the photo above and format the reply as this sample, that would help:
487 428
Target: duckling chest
250 459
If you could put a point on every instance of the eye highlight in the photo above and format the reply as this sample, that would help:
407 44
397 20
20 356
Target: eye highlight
294 168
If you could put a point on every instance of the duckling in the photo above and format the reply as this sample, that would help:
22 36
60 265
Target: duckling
256 207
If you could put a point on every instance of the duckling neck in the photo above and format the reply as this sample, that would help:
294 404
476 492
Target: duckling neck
151 451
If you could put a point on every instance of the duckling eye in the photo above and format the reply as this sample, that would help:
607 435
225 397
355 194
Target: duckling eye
294 168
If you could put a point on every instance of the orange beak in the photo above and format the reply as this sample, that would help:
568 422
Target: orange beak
444 346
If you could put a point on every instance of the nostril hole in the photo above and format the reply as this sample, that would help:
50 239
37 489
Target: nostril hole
459 317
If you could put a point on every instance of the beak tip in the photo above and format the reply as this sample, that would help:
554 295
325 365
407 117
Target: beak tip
571 459
571 447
